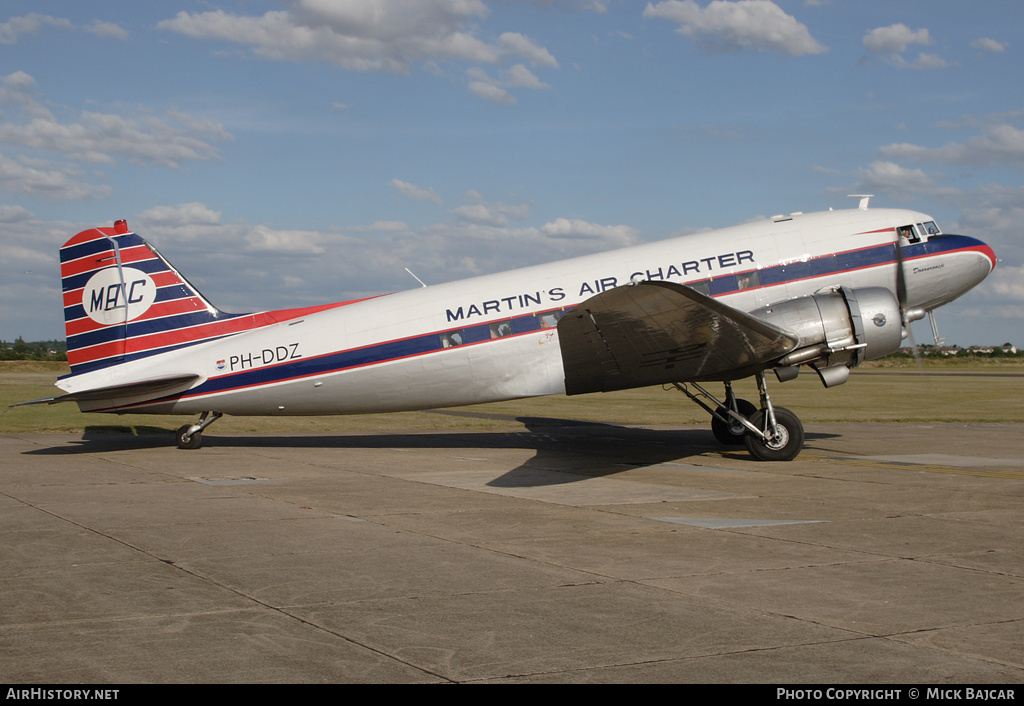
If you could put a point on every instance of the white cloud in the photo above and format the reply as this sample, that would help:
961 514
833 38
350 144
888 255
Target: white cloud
377 35
744 24
575 229
1008 282
1007 311
1003 293
481 214
521 77
490 214
927 62
492 92
98 138
18 90
1000 144
897 182
15 214
519 45
484 86
301 242
995 216
30 296
106 30
895 38
47 180
189 224
417 193
597 6
381 227
186 214
242 260
389 19
363 35
28 24
923 62
244 267
989 45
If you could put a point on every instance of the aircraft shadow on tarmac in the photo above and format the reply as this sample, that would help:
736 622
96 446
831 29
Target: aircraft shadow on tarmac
566 450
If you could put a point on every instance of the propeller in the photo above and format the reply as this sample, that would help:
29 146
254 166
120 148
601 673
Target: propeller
906 313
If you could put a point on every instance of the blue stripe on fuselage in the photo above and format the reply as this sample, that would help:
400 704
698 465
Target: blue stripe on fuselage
388 351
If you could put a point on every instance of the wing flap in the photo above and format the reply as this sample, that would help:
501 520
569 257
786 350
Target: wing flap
653 333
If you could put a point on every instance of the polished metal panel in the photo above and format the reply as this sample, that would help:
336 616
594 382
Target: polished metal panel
657 332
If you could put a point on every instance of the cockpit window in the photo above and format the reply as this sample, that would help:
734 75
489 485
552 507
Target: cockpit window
908 234
916 233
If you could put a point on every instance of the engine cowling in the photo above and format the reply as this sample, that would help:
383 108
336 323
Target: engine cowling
838 329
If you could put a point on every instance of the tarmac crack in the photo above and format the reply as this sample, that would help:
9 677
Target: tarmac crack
221 585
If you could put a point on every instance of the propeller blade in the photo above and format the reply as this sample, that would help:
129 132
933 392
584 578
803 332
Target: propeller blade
913 347
901 298
901 279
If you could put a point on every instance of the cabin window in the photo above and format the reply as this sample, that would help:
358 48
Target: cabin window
500 329
451 339
703 287
550 319
929 228
748 280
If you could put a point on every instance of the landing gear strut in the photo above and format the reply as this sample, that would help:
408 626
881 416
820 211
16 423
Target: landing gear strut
726 428
190 436
770 433
779 435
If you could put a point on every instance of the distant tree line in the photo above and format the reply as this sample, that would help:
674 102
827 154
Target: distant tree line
1006 350
36 350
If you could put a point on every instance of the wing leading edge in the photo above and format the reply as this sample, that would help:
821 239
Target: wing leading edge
655 332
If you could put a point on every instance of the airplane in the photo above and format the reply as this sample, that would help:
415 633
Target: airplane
823 291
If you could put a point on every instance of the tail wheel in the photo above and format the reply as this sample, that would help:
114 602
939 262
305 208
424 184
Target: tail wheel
188 442
787 442
732 433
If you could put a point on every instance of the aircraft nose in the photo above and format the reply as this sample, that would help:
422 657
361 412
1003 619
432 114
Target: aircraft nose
973 261
985 258
990 255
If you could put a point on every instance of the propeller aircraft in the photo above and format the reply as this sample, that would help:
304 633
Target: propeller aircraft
824 291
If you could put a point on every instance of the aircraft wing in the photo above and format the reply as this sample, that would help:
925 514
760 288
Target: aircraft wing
653 333
147 388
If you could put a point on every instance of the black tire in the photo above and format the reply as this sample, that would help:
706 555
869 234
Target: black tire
732 433
191 442
786 447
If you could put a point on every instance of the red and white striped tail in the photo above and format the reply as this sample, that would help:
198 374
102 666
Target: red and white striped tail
123 301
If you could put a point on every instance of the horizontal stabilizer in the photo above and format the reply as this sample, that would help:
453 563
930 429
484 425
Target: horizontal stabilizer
146 388
653 333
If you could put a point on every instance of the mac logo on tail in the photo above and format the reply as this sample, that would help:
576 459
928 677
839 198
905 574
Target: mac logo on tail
106 298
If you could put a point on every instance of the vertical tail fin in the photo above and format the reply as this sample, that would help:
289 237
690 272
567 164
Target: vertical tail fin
123 301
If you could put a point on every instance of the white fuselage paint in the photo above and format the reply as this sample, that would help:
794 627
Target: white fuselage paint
520 365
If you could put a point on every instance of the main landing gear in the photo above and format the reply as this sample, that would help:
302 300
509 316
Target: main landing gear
770 433
190 436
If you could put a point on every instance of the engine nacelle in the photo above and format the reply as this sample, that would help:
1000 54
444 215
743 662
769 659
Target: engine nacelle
838 329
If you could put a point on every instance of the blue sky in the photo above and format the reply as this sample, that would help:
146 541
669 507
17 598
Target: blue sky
291 153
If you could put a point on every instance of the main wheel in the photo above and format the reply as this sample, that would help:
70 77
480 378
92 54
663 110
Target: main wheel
787 443
731 433
188 442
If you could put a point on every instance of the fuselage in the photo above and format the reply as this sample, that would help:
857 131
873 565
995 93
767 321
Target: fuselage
493 337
